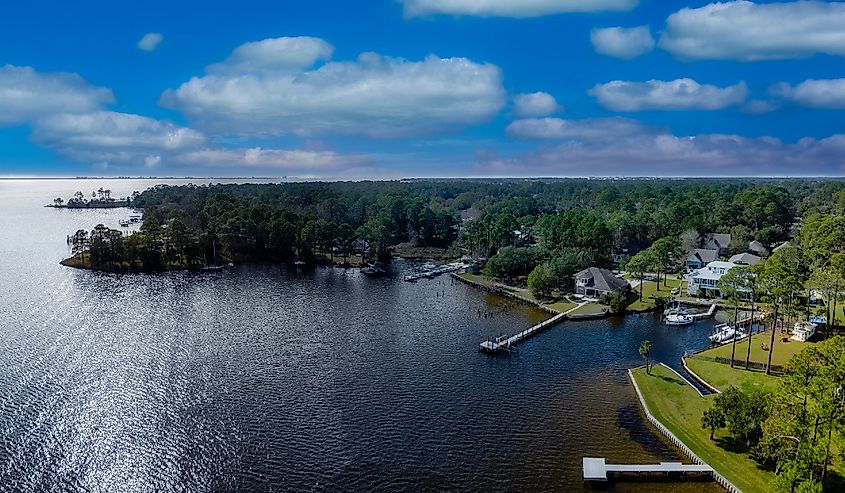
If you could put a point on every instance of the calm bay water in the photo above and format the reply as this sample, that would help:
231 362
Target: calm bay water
261 378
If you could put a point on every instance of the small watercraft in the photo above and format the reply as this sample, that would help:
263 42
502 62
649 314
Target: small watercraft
679 319
803 331
373 270
818 319
723 333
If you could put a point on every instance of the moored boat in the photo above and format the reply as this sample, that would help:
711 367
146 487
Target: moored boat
803 331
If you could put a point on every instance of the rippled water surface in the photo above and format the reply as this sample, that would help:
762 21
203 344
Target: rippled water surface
264 379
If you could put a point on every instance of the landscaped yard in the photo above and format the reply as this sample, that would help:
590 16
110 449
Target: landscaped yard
650 291
561 305
679 407
723 376
781 354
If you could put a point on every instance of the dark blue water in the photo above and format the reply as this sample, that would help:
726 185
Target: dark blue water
266 379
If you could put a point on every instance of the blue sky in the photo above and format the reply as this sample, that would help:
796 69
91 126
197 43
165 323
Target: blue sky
387 88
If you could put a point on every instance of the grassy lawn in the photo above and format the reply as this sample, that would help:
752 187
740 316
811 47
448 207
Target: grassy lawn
650 291
590 309
723 376
781 354
560 305
679 407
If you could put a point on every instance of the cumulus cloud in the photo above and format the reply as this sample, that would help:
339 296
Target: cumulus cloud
664 154
512 8
150 41
592 129
104 135
68 114
257 92
815 93
26 95
679 94
622 42
746 31
535 104
275 54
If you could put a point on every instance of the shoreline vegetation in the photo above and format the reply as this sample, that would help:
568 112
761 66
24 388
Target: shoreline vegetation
745 442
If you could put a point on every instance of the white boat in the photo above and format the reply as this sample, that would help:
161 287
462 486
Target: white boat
723 333
803 331
679 319
818 320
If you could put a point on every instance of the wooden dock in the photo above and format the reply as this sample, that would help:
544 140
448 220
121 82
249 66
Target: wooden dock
597 469
505 343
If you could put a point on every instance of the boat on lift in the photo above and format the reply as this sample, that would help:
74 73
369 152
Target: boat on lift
723 333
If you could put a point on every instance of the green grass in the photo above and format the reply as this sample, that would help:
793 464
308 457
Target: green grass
678 406
593 309
781 354
650 292
723 376
562 305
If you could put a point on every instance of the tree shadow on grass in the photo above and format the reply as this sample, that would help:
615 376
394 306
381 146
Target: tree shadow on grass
733 445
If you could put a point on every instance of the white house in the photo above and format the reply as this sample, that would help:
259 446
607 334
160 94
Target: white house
707 278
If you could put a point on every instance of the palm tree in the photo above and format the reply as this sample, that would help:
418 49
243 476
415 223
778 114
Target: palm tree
645 352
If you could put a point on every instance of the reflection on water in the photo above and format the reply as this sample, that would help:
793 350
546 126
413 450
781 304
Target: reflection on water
264 379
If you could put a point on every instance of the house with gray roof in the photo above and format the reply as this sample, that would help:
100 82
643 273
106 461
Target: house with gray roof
698 258
745 259
758 248
596 282
716 241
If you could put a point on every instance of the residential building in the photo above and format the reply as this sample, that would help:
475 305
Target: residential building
745 259
758 248
716 241
596 282
699 258
706 281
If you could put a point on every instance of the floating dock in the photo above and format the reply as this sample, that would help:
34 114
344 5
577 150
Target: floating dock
597 469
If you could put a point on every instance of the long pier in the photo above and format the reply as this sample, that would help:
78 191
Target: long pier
597 469
504 344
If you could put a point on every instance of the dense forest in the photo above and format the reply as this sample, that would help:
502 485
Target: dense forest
517 224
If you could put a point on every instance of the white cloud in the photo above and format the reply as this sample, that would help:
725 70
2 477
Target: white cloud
622 42
108 131
593 129
512 8
26 94
746 31
630 153
150 41
760 107
679 94
275 54
373 95
815 93
278 159
535 104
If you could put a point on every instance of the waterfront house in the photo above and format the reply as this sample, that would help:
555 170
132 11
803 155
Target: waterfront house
698 258
745 259
716 241
596 282
706 281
